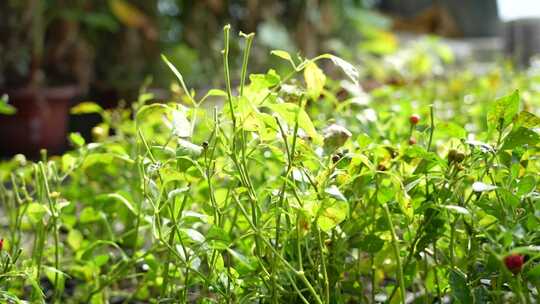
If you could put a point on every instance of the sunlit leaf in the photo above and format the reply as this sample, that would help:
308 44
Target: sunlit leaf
348 69
527 120
457 209
288 111
86 107
283 55
334 212
36 212
503 111
482 187
6 108
315 79
75 239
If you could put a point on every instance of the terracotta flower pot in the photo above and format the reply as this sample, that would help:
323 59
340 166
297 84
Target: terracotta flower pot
41 120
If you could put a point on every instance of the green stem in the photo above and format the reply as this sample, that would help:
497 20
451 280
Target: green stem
395 247
226 31
54 218
323 265
249 41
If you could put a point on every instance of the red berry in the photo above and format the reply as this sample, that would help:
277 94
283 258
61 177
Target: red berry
414 119
412 141
514 262
1 244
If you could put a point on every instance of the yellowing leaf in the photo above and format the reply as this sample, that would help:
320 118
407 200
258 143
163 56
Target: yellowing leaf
315 79
283 55
333 215
247 115
75 239
527 120
128 14
380 42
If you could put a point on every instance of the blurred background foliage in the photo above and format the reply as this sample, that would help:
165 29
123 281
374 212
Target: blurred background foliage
108 47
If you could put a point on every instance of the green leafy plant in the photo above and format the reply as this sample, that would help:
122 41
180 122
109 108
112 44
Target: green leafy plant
283 191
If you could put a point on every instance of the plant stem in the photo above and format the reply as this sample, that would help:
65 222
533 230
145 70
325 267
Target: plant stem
249 41
395 247
226 31
54 218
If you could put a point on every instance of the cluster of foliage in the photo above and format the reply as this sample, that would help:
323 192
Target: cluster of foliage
293 191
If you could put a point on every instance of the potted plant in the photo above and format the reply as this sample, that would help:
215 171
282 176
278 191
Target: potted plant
36 75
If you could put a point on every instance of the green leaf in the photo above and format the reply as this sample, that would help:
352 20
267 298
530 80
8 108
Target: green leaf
503 111
118 197
218 238
178 76
188 149
180 125
451 129
6 108
527 120
482 187
534 273
214 93
526 185
259 82
97 158
36 212
315 80
193 234
101 259
460 289
75 239
248 116
334 192
371 244
520 137
283 55
68 162
457 209
347 68
242 259
89 215
86 107
288 111
333 213
76 139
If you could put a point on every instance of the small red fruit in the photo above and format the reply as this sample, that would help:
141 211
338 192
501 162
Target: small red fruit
414 119
514 262
1 244
412 141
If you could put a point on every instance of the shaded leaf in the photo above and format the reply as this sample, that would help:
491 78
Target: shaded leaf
460 289
520 137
